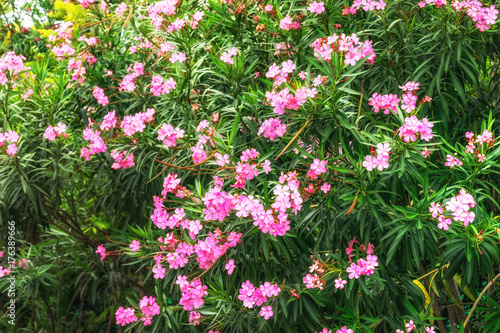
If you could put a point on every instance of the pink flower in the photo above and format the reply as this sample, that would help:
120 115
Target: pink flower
102 251
272 128
194 318
179 57
435 209
316 7
452 162
326 187
125 316
344 329
135 245
410 326
286 23
11 149
339 283
230 266
266 312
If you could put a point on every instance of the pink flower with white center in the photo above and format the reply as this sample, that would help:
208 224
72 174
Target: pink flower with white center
102 251
302 75
370 162
444 223
435 209
268 8
344 329
430 329
222 160
326 187
135 245
317 168
316 7
266 312
339 283
230 266
384 149
481 158
410 326
288 66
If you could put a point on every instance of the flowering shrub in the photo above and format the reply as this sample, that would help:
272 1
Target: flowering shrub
244 165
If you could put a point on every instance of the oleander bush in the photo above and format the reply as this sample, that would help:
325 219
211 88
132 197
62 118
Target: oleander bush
250 166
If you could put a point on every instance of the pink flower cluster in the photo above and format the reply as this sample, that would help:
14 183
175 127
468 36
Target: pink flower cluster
4 271
379 161
313 281
125 316
191 293
287 23
149 308
483 16
212 248
227 56
272 128
391 102
367 5
384 102
109 121
284 99
251 296
485 141
162 87
414 127
122 160
158 10
363 267
128 80
9 137
52 132
317 168
458 206
316 7
169 135
246 171
96 145
100 96
137 122
353 50
452 161
11 64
